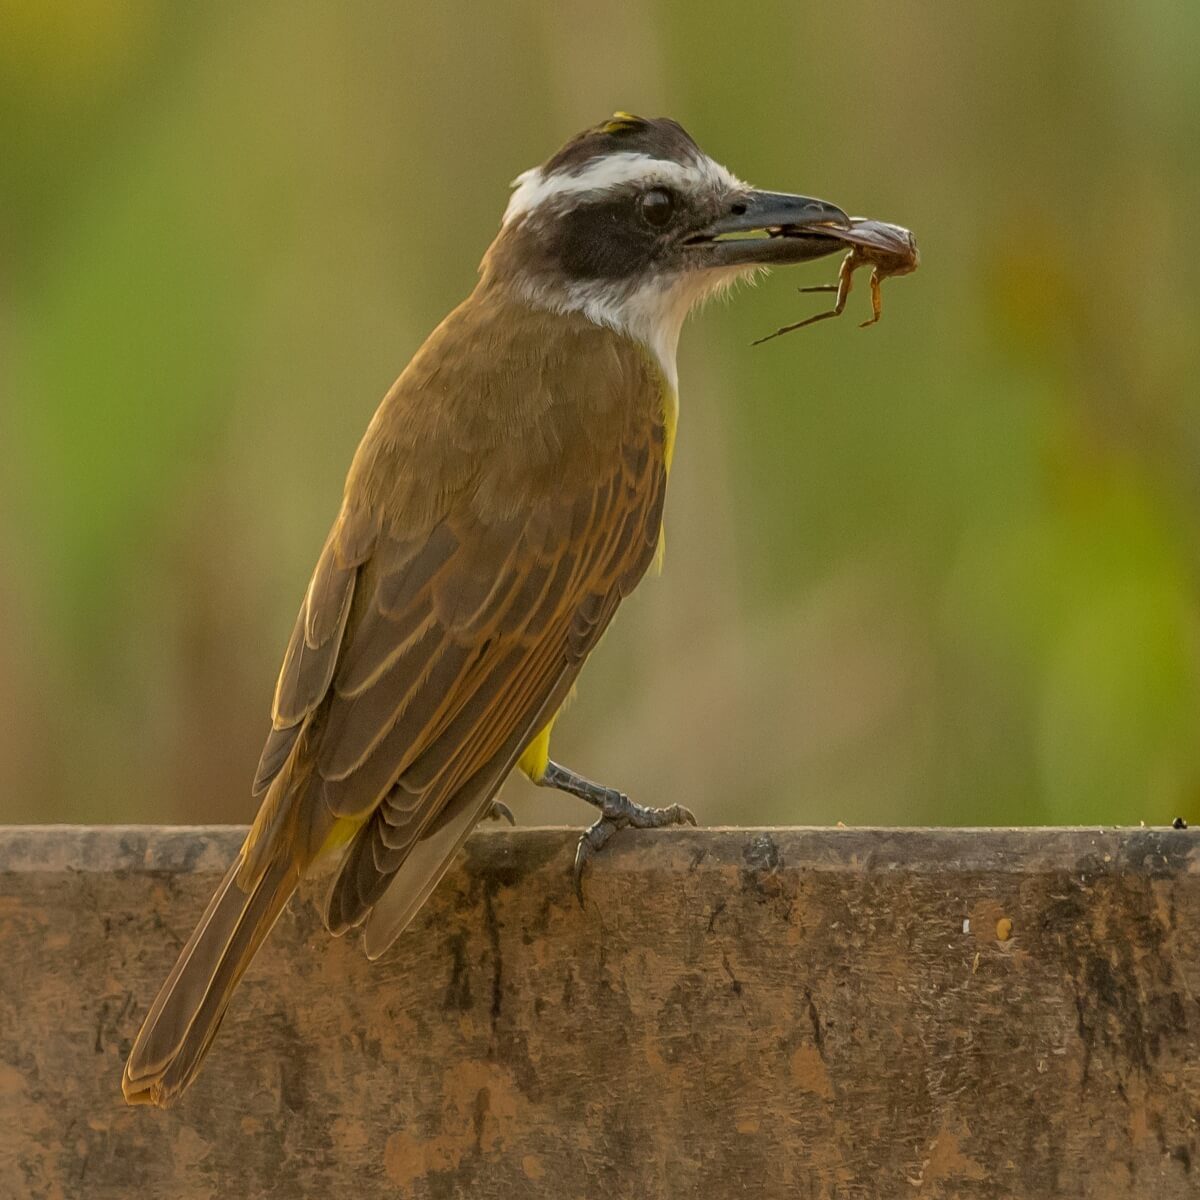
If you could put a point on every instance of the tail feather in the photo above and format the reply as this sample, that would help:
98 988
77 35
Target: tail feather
191 1004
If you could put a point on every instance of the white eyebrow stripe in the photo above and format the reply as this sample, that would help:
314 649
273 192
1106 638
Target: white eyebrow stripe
532 188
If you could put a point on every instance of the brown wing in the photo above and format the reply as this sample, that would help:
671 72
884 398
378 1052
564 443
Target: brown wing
420 666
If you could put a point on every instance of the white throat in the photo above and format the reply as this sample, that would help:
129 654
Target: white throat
651 313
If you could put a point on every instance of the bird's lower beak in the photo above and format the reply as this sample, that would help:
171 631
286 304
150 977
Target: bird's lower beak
769 229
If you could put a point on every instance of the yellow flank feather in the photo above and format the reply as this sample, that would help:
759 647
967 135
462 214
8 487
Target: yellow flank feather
670 425
341 833
343 830
537 753
670 422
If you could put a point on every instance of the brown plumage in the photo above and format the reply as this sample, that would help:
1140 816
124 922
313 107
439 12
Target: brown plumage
507 494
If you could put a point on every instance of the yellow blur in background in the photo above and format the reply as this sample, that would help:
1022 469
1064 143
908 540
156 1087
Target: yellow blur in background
943 570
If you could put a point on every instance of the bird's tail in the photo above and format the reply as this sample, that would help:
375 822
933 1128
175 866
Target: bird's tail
185 1017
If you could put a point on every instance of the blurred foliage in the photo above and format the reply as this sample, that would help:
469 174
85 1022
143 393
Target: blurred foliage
941 571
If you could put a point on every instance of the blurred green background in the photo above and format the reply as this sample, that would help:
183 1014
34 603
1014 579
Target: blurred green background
945 570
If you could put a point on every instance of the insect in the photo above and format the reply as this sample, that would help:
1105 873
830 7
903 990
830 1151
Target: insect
886 249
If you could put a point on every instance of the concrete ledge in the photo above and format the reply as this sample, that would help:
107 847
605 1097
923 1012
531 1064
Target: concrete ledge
787 1012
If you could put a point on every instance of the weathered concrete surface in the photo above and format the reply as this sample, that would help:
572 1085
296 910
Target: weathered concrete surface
784 1013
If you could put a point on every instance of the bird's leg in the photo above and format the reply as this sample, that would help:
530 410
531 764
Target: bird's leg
499 811
876 299
616 812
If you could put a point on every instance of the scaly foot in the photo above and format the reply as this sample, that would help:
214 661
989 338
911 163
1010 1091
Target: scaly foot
617 812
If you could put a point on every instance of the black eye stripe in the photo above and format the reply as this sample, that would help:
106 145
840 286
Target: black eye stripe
614 235
601 241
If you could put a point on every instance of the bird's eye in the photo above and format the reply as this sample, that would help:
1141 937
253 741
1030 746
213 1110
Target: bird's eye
658 206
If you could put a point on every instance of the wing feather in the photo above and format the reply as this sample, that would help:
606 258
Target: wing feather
406 697
424 658
564 627
312 653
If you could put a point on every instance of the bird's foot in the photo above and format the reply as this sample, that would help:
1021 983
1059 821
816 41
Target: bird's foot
499 811
619 812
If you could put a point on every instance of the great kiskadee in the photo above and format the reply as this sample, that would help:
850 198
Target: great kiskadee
507 495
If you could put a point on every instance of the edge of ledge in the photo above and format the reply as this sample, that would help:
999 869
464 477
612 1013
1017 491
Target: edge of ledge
205 849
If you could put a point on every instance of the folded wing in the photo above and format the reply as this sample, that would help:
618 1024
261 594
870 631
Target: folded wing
422 663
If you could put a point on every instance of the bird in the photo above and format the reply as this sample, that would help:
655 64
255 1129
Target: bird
506 497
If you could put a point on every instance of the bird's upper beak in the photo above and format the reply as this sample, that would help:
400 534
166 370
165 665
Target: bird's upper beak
769 229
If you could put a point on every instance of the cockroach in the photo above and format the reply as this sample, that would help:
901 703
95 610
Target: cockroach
886 249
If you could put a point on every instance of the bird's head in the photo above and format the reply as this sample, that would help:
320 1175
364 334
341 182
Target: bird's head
631 224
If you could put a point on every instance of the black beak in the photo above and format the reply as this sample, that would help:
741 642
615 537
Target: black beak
769 229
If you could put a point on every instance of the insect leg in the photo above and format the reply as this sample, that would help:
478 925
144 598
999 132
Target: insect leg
876 299
833 312
842 287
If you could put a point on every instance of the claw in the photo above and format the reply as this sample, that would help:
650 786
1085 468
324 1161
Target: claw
500 811
580 859
593 839
619 813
